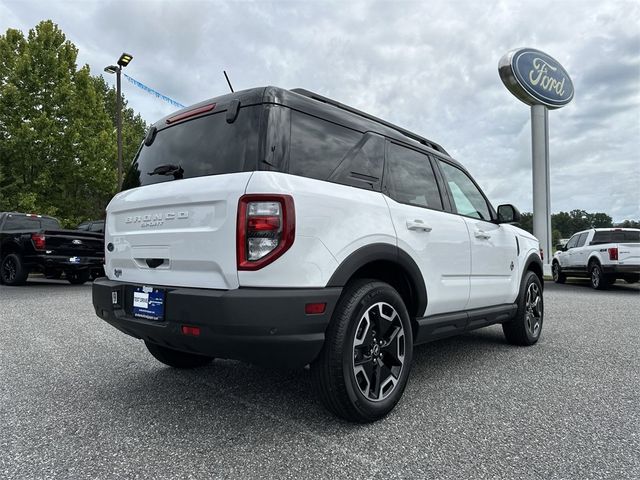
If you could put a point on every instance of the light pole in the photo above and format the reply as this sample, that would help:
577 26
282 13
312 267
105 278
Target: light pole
123 61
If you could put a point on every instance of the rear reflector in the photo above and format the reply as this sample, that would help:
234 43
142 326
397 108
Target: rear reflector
314 308
189 330
613 253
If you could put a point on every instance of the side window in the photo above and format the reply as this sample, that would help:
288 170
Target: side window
318 146
467 198
582 239
362 167
97 227
573 241
411 179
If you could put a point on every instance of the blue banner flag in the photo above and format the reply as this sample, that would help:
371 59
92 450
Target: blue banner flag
152 91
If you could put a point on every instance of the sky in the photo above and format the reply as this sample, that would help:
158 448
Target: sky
430 66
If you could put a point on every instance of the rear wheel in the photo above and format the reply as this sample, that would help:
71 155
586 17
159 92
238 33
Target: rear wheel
596 276
526 327
176 358
556 271
364 365
78 277
12 270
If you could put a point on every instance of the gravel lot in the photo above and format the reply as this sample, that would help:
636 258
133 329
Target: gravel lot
78 399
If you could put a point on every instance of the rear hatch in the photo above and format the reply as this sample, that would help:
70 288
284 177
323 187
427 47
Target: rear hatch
175 223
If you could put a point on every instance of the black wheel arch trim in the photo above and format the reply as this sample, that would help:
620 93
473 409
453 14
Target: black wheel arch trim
382 252
534 259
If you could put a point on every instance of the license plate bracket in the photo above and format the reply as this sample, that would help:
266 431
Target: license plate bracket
148 303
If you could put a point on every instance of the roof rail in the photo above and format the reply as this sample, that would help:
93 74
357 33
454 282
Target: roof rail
406 133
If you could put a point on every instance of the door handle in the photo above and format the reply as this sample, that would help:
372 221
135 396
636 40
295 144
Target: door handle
418 226
482 234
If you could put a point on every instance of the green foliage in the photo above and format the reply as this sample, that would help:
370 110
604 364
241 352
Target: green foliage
58 149
565 224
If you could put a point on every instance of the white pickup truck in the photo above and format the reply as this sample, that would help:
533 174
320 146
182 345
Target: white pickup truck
602 254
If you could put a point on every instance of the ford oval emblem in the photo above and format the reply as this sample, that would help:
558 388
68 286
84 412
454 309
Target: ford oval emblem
536 78
77 242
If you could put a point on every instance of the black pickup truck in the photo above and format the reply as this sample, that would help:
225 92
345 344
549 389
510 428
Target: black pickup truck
36 243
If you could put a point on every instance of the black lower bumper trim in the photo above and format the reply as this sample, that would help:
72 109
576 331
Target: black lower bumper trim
264 326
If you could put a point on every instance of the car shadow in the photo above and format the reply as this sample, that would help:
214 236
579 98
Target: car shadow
583 284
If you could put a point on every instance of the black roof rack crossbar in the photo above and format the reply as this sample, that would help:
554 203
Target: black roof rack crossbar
406 133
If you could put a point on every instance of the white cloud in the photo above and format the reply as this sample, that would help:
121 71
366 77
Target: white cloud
427 66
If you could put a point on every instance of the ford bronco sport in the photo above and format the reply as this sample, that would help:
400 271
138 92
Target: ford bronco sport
284 228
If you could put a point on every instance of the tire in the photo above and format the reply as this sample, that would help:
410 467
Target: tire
526 327
12 271
176 358
597 277
78 277
556 271
369 343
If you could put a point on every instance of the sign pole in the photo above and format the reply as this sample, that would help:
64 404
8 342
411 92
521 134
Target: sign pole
541 181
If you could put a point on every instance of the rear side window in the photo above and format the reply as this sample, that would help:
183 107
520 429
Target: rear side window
318 146
195 148
411 179
22 222
616 237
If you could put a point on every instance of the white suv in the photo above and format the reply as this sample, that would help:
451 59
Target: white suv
283 228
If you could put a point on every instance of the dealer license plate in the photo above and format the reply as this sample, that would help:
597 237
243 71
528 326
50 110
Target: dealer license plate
148 303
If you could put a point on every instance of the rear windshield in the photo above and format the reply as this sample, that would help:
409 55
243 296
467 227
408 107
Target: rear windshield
23 222
203 146
616 237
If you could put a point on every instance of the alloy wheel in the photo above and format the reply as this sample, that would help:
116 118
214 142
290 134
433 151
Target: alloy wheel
9 270
378 351
533 310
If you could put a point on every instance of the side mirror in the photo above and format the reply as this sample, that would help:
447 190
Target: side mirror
508 214
561 247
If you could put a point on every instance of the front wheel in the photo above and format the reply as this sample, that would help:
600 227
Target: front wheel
526 327
12 270
364 365
556 271
176 358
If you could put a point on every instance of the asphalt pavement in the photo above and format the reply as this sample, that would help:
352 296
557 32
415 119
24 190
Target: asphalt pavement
78 399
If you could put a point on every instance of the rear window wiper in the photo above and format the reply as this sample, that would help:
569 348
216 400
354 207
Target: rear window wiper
168 169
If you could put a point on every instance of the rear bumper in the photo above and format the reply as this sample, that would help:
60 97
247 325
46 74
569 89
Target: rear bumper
264 326
621 269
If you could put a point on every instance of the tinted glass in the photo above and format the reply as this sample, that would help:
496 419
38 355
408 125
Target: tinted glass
22 222
582 238
411 179
616 237
573 241
97 227
203 146
467 198
362 167
318 146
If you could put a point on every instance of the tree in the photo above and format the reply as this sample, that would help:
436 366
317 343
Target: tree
57 129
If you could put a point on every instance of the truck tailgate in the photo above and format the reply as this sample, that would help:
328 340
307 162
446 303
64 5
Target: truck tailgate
74 243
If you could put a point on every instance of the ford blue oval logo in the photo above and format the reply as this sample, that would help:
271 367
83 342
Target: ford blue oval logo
536 78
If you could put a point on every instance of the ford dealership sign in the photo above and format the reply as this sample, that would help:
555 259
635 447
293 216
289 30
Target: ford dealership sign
536 78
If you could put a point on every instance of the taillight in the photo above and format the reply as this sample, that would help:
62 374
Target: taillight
39 241
541 254
613 253
265 229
